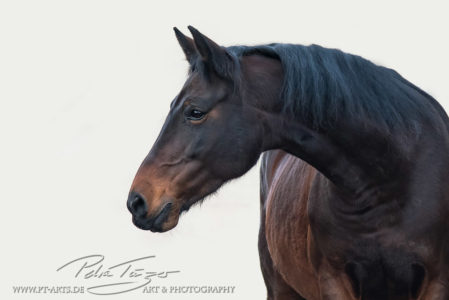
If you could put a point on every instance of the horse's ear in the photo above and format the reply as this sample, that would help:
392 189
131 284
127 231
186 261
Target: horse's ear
187 45
212 54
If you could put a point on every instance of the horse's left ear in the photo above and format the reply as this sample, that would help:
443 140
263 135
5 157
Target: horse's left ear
187 45
214 56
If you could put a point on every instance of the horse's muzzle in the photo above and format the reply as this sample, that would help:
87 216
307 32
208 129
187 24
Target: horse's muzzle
139 210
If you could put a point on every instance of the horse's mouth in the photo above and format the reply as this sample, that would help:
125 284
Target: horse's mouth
161 222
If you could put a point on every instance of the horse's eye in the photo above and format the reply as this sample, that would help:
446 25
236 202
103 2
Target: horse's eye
195 115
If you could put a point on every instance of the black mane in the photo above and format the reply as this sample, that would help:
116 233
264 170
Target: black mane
323 85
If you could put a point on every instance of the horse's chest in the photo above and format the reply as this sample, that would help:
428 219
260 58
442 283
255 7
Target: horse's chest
319 257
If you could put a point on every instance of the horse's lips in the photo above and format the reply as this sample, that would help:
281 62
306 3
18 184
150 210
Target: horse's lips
162 216
139 224
154 224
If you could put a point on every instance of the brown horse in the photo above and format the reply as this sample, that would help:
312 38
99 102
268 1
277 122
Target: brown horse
354 200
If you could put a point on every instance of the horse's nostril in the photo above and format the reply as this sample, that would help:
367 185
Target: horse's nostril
137 205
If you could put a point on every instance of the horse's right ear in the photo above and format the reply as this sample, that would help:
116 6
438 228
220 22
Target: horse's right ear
187 45
214 57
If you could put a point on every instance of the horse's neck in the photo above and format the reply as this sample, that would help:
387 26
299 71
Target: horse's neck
337 163
263 84
353 160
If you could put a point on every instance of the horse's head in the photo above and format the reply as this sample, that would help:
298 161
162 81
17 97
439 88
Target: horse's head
210 136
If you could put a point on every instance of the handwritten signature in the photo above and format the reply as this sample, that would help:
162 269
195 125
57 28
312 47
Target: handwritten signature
130 274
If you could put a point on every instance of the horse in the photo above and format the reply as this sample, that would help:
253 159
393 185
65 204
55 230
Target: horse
354 161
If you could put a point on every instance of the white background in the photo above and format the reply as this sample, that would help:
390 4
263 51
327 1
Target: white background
84 89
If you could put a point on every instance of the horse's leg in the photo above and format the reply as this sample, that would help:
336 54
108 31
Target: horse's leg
277 288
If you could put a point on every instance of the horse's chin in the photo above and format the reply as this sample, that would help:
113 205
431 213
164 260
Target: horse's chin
186 205
167 226
170 223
